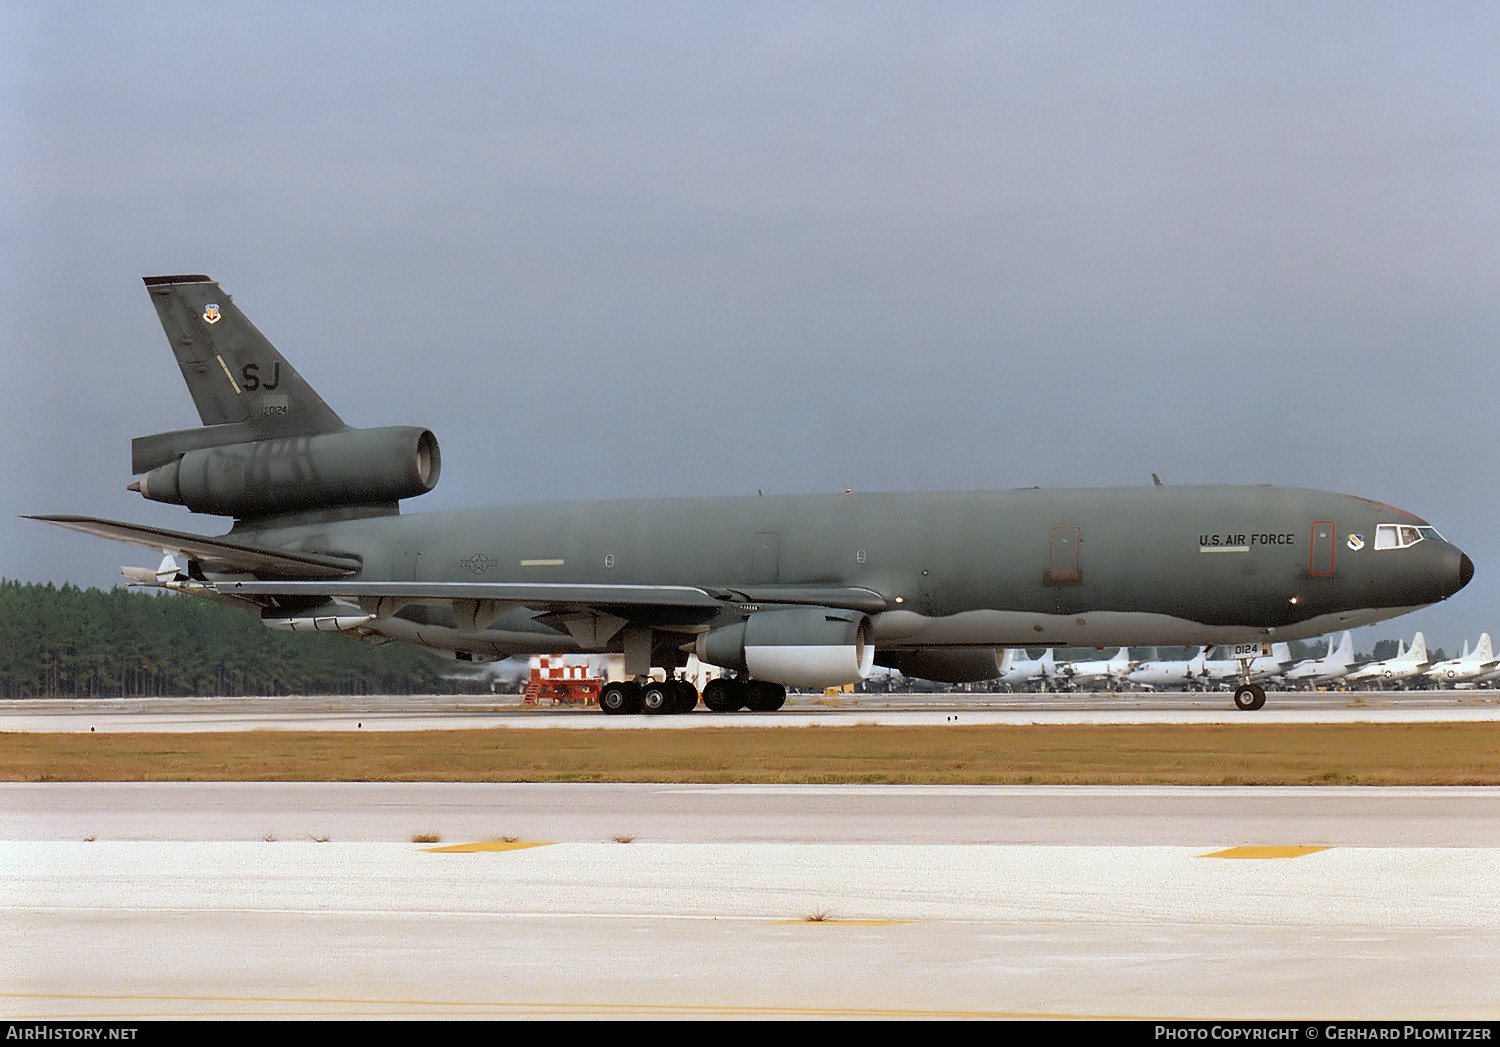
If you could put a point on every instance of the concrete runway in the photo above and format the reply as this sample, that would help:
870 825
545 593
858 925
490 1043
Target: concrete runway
133 901
217 900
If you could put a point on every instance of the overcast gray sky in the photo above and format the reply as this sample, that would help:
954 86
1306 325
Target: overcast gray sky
661 249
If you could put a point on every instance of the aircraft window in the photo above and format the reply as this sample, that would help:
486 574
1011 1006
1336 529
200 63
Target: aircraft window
1401 536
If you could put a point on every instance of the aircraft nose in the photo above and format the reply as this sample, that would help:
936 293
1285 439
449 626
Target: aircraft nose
1439 577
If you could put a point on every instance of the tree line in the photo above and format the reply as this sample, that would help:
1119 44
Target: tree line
67 642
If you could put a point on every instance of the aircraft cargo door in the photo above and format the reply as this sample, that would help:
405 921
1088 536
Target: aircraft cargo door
1064 557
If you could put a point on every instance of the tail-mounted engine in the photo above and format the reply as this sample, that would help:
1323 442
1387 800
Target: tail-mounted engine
346 467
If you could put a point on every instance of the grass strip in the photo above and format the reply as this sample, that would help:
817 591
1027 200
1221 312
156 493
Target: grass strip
1270 754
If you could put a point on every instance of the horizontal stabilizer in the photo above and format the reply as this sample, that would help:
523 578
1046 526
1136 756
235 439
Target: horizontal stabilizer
156 450
218 555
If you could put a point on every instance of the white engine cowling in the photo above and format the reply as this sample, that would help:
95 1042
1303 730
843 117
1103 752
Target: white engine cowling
811 647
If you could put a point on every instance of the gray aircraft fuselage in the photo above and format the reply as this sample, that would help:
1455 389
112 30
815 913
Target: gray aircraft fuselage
1030 567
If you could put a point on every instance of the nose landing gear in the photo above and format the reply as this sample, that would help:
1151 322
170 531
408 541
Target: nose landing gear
1249 696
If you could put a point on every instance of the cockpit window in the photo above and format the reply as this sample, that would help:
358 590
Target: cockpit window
1403 536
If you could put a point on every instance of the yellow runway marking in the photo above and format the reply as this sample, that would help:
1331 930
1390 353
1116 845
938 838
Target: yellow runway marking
488 845
1265 852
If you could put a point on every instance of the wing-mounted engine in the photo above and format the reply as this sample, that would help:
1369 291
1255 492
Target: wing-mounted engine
375 467
796 646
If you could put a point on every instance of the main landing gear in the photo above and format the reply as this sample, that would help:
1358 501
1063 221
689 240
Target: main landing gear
620 698
654 697
727 696
678 696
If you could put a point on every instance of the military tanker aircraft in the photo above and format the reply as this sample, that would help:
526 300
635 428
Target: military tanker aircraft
806 591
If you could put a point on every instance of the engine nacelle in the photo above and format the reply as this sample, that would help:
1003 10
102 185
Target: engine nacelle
797 646
947 665
261 477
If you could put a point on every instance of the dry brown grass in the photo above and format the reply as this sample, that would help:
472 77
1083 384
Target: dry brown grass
1248 754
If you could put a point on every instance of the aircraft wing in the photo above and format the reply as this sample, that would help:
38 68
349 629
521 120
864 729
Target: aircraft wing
219 555
519 593
551 594
312 575
592 613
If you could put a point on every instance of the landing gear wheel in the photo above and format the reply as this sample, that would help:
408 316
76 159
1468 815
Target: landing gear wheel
1249 697
620 698
723 696
762 697
687 696
659 698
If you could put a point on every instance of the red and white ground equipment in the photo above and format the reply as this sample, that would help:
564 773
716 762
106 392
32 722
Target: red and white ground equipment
555 680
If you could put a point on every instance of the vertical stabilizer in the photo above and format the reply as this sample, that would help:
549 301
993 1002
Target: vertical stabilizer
235 375
1345 653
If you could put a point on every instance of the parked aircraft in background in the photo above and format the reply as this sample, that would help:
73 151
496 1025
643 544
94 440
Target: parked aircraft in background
1098 674
1262 669
778 591
1334 665
1204 672
1018 671
1170 673
1406 664
1467 667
